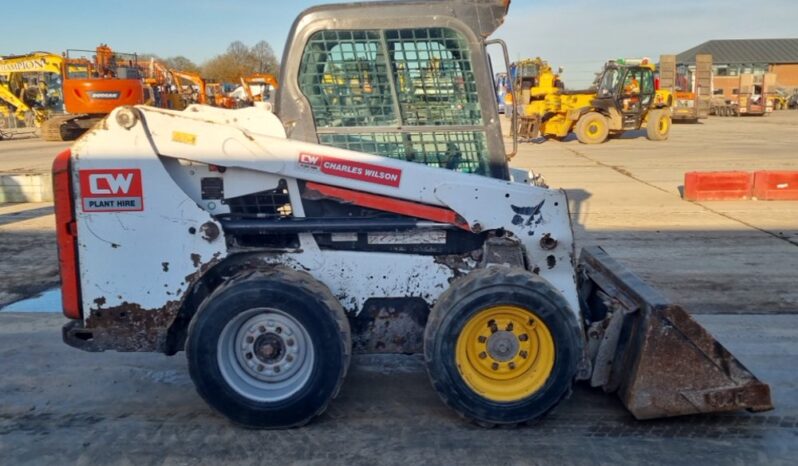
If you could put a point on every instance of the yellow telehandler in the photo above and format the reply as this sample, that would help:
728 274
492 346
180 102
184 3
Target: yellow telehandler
625 98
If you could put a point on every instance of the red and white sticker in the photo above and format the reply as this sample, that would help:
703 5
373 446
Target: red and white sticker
113 190
360 171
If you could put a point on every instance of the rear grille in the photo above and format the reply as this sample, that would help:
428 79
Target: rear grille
274 203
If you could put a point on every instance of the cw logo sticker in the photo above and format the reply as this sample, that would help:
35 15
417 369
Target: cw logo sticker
112 190
108 183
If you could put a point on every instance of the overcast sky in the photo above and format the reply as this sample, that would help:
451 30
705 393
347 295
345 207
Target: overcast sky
578 35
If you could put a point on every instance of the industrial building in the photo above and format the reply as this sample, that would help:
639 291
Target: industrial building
732 58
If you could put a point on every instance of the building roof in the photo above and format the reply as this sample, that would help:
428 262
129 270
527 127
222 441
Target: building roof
739 51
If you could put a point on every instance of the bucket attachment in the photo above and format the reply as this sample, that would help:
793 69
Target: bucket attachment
659 360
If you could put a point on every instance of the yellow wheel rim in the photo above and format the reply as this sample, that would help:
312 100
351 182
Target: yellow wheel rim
505 353
663 125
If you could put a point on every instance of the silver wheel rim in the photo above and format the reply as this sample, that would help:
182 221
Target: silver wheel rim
265 355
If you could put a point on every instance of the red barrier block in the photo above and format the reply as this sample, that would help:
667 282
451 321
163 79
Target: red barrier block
718 186
772 185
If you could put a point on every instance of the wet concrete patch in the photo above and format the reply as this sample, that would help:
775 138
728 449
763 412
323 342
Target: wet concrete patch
48 301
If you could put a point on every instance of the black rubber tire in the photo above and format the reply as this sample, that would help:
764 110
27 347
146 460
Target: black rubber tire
585 122
658 126
303 298
483 288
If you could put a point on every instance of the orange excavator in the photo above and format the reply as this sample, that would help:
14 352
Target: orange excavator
164 86
220 98
171 93
92 88
266 83
196 91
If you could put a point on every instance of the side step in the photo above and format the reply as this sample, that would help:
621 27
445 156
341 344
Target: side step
659 360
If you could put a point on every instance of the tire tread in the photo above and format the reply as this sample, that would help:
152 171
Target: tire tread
465 286
318 289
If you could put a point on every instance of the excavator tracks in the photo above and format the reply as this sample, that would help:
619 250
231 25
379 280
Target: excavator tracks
58 128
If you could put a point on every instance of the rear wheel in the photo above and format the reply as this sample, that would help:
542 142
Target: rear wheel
592 128
501 346
658 127
269 349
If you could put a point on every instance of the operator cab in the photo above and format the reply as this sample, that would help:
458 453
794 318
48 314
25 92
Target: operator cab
627 88
419 90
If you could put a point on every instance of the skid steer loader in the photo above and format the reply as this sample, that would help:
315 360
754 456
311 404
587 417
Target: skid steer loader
372 212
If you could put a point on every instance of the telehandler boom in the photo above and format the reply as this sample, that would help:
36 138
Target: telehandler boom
378 215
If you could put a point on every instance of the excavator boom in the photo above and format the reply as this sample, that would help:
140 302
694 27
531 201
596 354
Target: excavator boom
36 64
19 105
195 79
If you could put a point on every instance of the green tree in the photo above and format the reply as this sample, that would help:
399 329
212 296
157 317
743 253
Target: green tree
240 60
181 63
266 61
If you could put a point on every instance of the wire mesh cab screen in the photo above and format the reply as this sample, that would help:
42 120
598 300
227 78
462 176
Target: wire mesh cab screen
394 93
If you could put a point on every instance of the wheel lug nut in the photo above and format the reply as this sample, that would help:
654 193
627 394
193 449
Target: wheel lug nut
494 328
262 329
482 339
250 339
290 342
279 330
248 355
509 327
277 369
260 367
289 358
523 354
495 366
512 365
483 355
523 337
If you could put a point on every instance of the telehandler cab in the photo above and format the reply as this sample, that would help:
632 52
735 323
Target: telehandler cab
372 212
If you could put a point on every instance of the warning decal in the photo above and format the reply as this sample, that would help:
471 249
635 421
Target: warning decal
114 190
360 171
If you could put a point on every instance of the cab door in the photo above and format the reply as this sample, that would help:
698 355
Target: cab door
636 95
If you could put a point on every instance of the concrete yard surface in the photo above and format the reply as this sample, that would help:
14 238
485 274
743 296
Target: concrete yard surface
59 405
28 258
29 155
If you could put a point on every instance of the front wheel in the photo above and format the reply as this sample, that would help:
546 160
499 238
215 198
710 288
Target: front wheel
658 126
269 349
592 128
501 346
